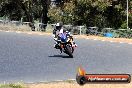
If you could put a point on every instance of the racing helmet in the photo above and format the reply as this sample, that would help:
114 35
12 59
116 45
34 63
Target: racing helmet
58 26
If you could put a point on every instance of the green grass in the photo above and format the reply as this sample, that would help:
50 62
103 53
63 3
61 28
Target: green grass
70 81
11 86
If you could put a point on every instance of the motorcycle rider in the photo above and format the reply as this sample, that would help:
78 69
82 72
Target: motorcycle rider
57 32
60 35
57 29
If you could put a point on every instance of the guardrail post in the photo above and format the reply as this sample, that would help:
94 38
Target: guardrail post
80 29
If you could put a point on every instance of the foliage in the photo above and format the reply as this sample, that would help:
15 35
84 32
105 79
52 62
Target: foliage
54 15
63 13
101 13
29 10
124 25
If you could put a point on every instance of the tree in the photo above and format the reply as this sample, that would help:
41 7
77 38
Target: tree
101 13
24 8
44 11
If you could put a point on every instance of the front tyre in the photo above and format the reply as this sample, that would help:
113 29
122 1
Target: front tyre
69 50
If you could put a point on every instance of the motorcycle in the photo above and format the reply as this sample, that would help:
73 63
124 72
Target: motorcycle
66 45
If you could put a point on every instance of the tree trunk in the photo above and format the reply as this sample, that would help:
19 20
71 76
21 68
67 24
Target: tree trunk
27 13
44 17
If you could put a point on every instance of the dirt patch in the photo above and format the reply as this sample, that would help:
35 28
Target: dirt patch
124 40
75 85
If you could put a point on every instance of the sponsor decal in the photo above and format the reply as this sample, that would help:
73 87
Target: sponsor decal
83 78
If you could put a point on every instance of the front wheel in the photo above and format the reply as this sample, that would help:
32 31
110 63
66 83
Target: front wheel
69 50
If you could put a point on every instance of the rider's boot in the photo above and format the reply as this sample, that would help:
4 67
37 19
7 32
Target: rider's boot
60 51
56 45
74 44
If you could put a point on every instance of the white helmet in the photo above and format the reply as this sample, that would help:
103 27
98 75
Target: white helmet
58 24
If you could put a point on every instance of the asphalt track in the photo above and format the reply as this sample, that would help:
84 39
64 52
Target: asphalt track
32 58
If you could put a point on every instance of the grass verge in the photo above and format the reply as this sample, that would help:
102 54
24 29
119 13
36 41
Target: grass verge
12 86
10 27
26 29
